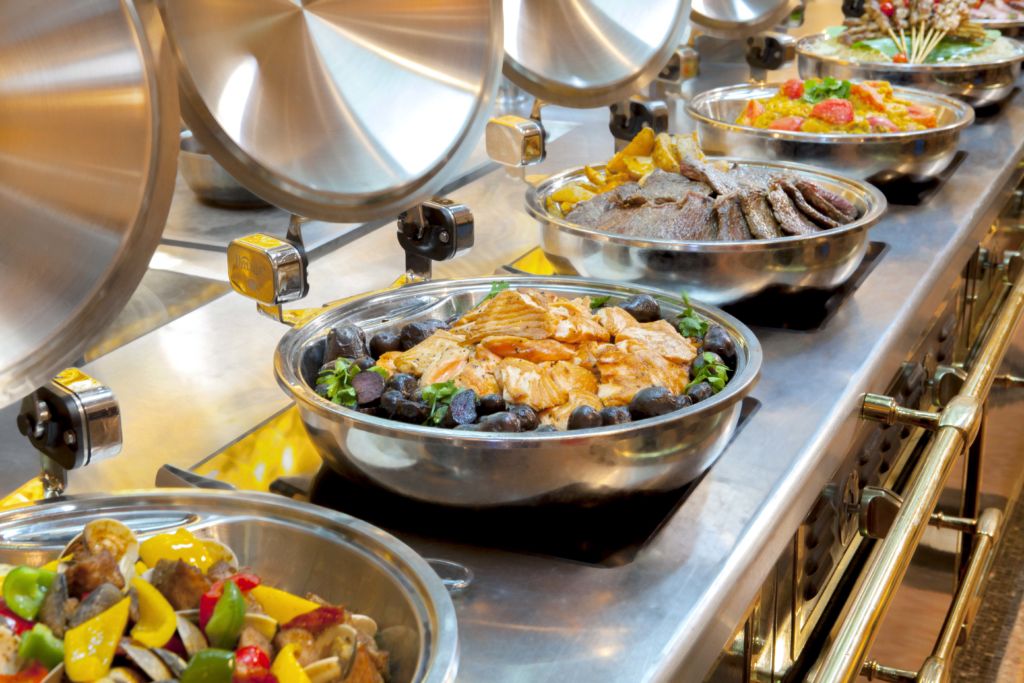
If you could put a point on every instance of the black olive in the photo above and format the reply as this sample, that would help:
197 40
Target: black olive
365 363
615 415
500 422
461 411
651 402
490 404
643 307
369 387
699 392
717 340
417 395
389 401
415 412
528 420
584 417
345 341
544 429
700 362
402 382
684 401
413 333
382 342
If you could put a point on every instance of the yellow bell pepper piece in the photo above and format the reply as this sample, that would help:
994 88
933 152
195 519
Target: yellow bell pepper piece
140 568
157 621
181 545
281 605
89 647
287 668
641 145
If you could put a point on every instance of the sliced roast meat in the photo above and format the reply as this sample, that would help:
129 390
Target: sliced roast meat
661 187
696 218
829 203
820 219
731 223
786 213
590 213
760 221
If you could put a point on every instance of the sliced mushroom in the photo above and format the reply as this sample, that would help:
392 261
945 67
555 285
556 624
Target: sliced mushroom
343 645
151 665
364 624
324 670
264 624
191 636
174 663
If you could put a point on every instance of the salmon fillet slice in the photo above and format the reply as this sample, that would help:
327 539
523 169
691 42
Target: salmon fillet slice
575 323
478 376
572 377
615 319
627 367
387 361
416 360
525 382
512 312
533 350
662 337
559 415
448 365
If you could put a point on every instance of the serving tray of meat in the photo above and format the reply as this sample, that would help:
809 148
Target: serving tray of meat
661 214
524 391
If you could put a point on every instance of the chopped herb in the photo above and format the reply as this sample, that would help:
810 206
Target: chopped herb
496 289
439 395
690 323
817 90
380 371
598 301
714 372
337 381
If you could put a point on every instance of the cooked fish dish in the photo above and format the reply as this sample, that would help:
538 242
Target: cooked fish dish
525 360
173 606
662 187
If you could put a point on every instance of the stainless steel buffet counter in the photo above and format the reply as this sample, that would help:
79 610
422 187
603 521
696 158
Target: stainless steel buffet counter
200 382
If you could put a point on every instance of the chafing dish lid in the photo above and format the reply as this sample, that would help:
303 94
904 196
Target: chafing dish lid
338 111
737 18
89 119
589 53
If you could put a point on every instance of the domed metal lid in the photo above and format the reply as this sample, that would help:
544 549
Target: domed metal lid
87 166
337 110
590 53
737 18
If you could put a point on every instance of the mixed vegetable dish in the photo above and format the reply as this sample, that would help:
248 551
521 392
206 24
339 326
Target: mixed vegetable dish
525 360
833 106
173 607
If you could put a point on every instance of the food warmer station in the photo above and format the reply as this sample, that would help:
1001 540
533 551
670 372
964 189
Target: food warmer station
388 181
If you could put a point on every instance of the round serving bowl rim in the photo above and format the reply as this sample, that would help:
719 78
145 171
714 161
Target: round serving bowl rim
872 196
963 111
803 51
288 354
999 24
442 645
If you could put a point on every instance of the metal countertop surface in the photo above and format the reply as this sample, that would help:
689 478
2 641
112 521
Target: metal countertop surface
203 380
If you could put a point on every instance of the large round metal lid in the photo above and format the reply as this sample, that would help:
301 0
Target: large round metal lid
737 18
88 149
590 53
338 110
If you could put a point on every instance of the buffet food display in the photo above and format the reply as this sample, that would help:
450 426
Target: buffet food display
115 607
997 11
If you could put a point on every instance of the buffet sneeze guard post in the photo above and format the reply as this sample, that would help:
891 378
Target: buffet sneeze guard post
72 421
274 271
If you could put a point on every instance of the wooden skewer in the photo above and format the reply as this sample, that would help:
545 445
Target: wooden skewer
933 44
903 40
925 37
915 38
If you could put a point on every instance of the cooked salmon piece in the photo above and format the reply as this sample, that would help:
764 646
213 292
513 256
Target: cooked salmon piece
627 367
533 350
387 361
416 360
662 337
525 382
572 377
660 371
478 376
586 355
615 319
576 324
509 313
559 415
448 365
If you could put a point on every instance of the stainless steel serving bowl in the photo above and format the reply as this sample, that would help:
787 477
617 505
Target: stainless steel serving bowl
208 179
978 84
328 553
873 156
1010 28
714 272
487 469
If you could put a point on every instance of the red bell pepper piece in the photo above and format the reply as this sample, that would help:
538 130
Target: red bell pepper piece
245 583
33 674
13 621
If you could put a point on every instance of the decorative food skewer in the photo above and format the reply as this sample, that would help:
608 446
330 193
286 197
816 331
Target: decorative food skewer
927 21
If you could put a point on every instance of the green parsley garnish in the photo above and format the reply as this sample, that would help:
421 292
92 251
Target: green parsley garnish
439 396
714 372
817 90
690 323
496 289
598 301
338 382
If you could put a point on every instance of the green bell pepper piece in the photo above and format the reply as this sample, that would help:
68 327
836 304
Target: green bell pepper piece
24 590
40 645
228 617
210 666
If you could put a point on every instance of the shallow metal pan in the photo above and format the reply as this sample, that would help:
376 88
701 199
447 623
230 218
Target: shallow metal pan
715 272
485 470
1010 28
336 556
978 84
871 156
